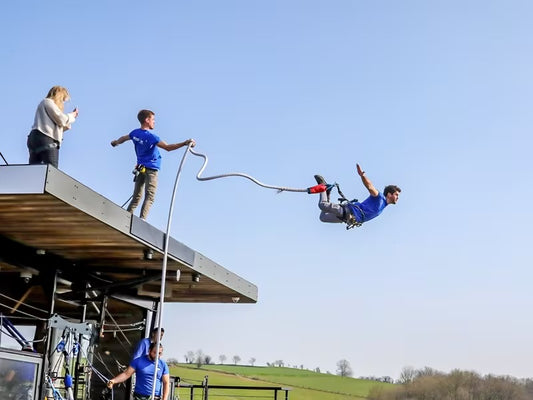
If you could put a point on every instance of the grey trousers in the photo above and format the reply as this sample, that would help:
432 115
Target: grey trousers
148 182
331 212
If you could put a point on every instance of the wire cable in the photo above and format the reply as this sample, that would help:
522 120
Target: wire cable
24 313
24 304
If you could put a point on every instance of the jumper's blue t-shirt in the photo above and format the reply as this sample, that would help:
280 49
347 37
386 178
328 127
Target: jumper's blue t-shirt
369 208
146 148
144 375
142 349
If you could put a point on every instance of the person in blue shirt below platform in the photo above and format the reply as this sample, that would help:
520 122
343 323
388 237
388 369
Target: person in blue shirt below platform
355 213
143 347
144 368
147 146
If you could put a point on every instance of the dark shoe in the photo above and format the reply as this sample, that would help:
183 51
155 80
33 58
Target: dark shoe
319 179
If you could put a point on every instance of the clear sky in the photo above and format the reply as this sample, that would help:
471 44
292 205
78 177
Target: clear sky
434 96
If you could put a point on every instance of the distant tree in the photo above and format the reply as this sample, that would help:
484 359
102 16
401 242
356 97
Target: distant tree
343 368
189 357
252 361
207 359
317 369
427 371
279 363
200 358
407 375
172 361
236 359
301 366
269 364
222 358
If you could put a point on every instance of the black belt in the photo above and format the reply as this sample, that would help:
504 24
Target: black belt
145 396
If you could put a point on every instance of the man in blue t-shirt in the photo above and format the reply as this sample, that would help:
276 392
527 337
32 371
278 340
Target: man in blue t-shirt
148 159
143 347
355 213
144 368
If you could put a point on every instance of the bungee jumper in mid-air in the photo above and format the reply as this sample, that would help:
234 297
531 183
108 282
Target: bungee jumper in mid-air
353 212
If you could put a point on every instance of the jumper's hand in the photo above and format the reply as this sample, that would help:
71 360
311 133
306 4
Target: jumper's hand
191 142
360 171
110 383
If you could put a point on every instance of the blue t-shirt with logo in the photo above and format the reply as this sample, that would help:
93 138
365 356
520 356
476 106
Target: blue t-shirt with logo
144 375
142 349
146 148
369 208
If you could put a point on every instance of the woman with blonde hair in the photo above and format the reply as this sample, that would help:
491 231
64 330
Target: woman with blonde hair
49 124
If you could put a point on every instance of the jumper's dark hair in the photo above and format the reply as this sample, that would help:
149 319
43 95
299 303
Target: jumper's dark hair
154 331
391 189
153 344
143 114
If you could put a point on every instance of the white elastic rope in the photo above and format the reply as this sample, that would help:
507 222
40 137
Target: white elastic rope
164 271
208 178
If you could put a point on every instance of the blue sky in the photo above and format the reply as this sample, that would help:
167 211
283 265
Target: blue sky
434 96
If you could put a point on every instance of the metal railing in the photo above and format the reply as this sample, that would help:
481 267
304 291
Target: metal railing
204 390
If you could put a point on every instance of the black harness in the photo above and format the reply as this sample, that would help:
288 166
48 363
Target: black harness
348 218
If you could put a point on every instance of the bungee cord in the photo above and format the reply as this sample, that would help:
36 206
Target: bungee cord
239 174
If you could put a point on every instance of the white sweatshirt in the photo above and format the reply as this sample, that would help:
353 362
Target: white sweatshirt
51 121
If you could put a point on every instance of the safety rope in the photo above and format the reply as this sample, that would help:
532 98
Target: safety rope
28 341
208 178
24 304
22 312
140 323
120 330
56 393
140 328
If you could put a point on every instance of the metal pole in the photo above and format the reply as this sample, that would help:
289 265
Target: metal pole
4 159
48 347
164 270
78 358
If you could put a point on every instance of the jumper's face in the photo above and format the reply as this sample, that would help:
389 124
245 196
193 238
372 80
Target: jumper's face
150 121
152 354
392 198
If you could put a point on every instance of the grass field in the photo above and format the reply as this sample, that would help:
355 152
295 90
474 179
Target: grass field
305 385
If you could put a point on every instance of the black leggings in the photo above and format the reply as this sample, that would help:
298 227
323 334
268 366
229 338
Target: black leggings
43 149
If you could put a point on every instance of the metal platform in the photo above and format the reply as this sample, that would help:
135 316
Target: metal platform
49 221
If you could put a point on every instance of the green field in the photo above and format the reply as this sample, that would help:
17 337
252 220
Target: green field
305 385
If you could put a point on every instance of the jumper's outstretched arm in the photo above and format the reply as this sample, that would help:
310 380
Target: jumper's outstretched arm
368 184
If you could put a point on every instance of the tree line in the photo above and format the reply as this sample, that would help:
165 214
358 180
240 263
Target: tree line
430 384
199 358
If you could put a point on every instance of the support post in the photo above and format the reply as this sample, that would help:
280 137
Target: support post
48 348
